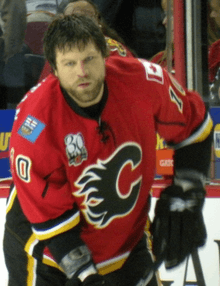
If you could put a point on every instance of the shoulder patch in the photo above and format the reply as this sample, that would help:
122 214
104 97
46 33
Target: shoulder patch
31 128
116 46
153 71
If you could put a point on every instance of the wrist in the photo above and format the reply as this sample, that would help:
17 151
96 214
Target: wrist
78 263
189 179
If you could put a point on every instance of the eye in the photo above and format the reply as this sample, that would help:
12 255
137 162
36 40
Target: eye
88 59
70 64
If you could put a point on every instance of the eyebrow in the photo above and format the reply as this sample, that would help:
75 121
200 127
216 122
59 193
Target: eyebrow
70 60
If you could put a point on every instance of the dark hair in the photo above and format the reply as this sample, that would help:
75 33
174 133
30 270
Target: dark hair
66 32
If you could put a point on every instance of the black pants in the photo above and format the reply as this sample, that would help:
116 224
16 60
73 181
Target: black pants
24 270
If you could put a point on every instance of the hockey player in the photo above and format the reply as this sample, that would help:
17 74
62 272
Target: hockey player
82 155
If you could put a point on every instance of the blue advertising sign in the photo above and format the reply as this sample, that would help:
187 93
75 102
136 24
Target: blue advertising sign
215 114
6 122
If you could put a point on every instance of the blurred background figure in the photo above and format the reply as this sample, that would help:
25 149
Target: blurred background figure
214 20
148 32
89 8
214 53
137 22
161 57
23 24
13 25
213 35
62 6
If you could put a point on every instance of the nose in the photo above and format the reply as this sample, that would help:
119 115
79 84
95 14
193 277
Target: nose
213 14
82 70
165 21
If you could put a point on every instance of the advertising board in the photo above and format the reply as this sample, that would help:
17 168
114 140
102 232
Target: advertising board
6 122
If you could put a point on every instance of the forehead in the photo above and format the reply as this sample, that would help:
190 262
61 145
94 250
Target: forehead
164 4
215 3
76 51
80 7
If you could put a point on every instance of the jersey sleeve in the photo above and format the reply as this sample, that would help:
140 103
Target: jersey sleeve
182 119
180 115
40 178
44 193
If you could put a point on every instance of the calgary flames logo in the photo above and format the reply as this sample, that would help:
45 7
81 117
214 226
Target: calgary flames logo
111 187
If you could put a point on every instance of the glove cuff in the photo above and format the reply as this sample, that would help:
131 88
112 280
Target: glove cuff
78 263
90 270
189 179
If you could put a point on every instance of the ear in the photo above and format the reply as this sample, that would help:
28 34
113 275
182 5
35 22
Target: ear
55 72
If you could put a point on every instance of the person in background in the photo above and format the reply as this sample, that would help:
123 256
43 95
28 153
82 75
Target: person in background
213 15
62 6
87 7
161 57
40 16
110 9
214 20
214 56
82 155
13 25
111 12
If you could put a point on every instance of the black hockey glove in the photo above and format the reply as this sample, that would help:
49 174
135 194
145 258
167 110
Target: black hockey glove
178 227
92 280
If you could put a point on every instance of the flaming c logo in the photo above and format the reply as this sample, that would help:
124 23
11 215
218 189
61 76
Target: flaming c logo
111 187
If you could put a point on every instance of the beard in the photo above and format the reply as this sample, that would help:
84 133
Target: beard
87 95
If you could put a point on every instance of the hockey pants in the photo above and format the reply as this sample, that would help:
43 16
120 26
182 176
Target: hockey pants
24 270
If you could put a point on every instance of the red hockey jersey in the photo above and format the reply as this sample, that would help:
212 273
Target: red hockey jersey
69 169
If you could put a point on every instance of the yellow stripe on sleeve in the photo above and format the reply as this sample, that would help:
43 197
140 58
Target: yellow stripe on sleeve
62 227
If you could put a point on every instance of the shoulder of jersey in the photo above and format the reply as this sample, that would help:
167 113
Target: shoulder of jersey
127 64
42 92
37 110
39 100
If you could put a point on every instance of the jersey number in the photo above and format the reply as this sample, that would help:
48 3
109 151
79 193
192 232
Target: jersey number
174 98
23 166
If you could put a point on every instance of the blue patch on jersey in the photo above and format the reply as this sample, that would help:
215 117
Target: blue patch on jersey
31 128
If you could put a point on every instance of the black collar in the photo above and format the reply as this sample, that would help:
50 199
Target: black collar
93 111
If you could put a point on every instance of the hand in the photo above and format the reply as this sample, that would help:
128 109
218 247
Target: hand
178 227
92 280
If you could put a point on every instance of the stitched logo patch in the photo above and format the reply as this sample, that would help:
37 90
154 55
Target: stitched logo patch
75 149
31 128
